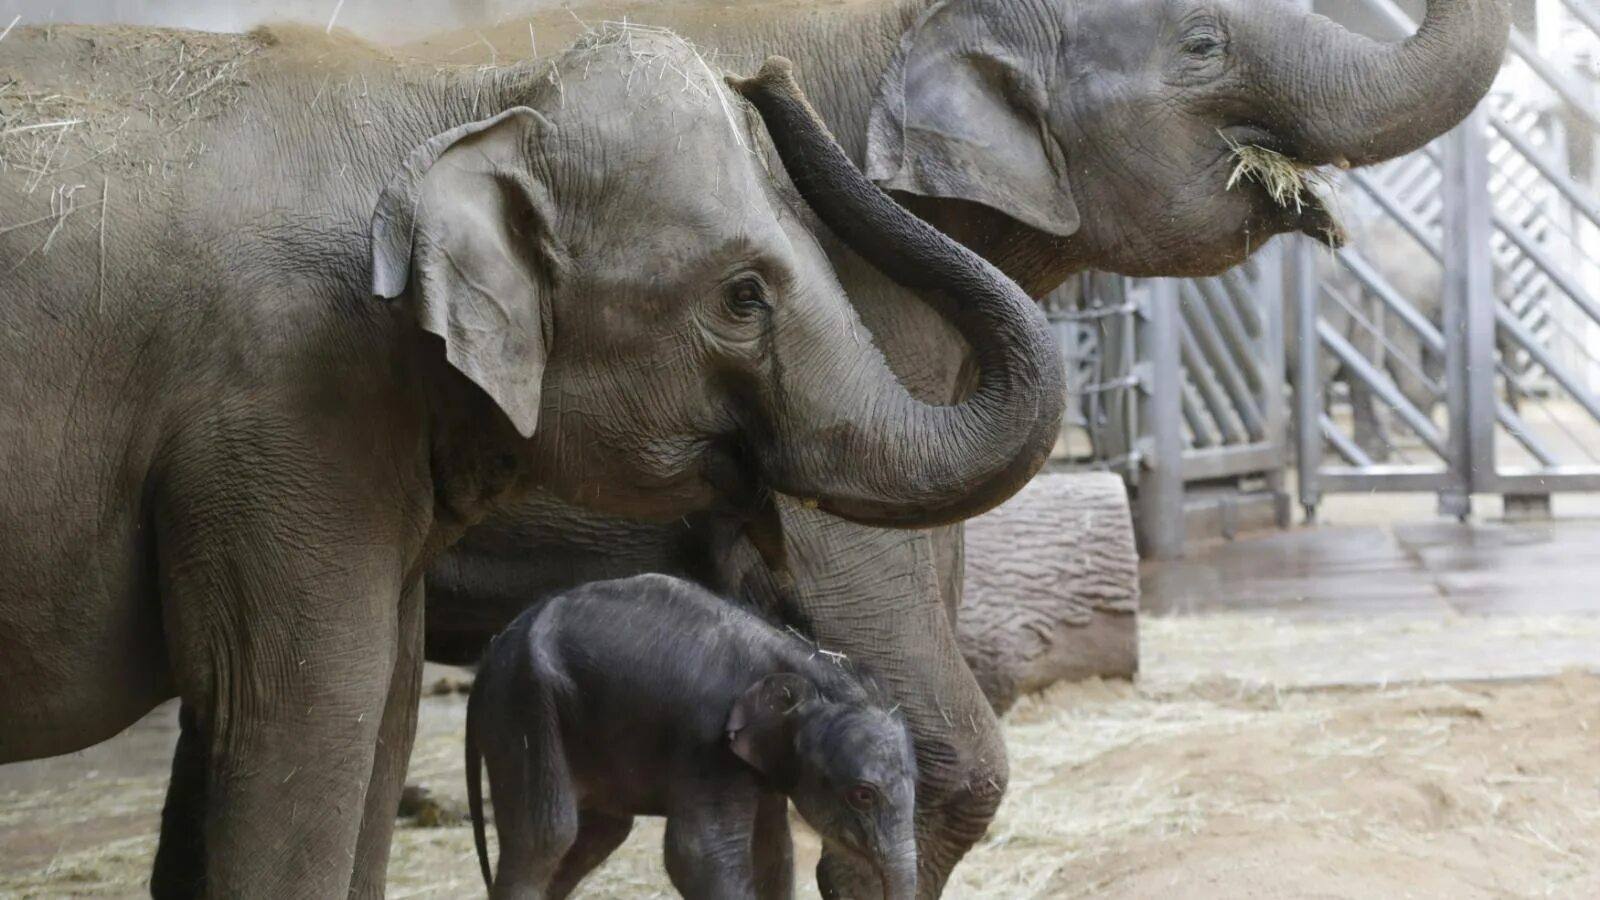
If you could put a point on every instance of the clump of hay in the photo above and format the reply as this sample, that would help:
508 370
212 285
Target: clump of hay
652 50
1288 183
121 96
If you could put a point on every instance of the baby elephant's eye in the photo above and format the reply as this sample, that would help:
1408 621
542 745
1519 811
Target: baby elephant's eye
862 798
746 295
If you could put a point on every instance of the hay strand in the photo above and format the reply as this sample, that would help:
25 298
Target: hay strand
105 197
14 20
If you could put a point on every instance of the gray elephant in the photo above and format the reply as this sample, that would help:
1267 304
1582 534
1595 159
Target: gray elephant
699 711
1052 137
229 463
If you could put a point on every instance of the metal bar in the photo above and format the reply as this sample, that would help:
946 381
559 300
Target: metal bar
1391 351
1585 13
1470 308
1266 296
1400 479
1199 431
1560 83
1519 430
1543 481
1197 314
1375 284
1363 369
1200 374
1242 289
1413 226
1161 522
1222 462
1308 377
1242 350
1563 279
1536 349
1350 450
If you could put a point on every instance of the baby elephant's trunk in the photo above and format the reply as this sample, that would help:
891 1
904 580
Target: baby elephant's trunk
899 872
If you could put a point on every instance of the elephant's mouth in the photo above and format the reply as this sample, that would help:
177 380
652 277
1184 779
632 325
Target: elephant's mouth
1297 191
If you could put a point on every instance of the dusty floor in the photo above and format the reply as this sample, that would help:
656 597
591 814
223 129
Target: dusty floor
1228 773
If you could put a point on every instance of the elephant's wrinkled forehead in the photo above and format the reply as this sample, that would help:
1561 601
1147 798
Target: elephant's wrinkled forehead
656 153
861 742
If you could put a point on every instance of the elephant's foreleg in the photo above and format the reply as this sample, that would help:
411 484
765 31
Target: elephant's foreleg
179 871
282 632
772 848
395 738
875 596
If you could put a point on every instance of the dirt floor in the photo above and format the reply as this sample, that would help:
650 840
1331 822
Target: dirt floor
1261 782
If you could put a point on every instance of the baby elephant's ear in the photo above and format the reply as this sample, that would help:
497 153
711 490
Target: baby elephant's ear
761 725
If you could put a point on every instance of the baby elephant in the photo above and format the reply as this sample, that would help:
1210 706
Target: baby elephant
651 696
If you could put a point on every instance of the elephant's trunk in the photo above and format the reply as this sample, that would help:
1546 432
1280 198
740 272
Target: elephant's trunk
1342 98
899 873
915 465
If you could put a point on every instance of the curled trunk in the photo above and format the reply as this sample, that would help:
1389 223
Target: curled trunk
916 465
1340 97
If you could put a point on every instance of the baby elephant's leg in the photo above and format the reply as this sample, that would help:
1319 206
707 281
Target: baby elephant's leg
708 843
535 811
598 836
773 849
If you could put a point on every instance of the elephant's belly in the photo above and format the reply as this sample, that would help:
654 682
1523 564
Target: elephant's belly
82 654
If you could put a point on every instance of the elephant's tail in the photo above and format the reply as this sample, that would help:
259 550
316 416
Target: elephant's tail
475 793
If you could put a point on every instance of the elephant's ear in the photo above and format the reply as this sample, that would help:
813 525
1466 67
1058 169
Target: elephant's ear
959 116
460 224
761 726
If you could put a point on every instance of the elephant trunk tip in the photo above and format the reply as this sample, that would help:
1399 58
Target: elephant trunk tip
777 73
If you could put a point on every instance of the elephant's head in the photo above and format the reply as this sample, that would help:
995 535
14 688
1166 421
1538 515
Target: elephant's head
848 767
616 266
1112 125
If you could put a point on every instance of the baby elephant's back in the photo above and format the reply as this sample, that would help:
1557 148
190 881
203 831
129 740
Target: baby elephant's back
648 659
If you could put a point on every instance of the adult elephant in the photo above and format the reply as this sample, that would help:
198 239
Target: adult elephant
1052 137
228 464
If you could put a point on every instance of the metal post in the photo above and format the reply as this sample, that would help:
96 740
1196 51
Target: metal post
1308 377
1161 520
1267 292
1469 314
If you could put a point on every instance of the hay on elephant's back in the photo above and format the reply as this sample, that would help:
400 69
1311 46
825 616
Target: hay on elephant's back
655 52
123 98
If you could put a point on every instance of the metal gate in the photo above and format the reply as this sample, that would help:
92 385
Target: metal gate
1487 371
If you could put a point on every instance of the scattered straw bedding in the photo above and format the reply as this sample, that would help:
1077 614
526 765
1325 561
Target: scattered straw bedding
122 98
1210 790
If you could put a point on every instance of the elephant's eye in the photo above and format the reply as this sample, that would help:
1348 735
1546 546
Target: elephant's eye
747 295
861 798
1203 41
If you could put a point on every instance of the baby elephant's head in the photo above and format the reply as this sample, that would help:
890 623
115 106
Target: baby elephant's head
847 766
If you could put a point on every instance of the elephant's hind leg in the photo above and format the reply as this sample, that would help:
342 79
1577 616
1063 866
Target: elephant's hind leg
530 787
599 836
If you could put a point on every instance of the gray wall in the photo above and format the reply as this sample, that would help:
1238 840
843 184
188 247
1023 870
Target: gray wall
371 18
